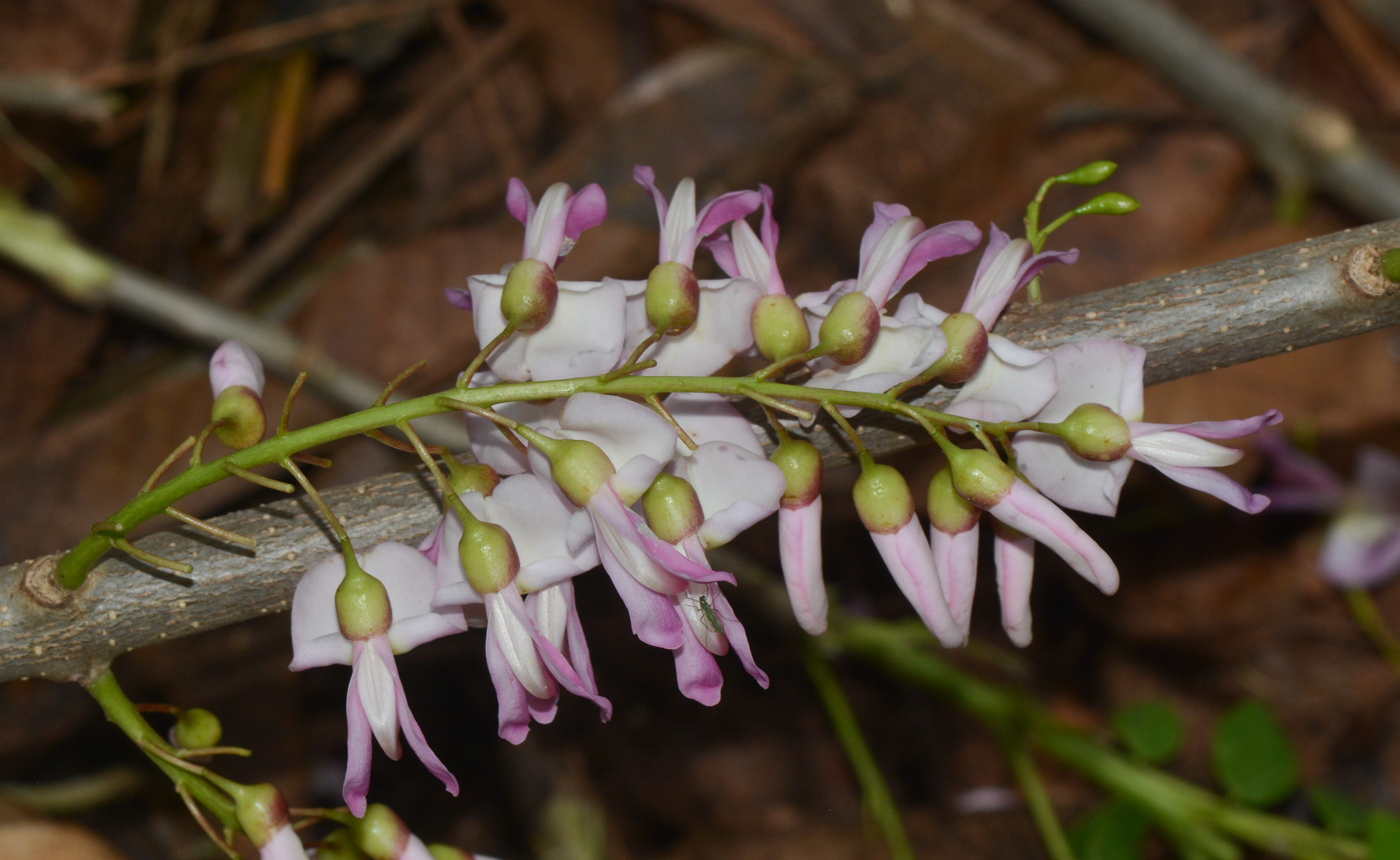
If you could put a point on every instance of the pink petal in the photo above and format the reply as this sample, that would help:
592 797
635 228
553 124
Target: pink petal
800 550
697 672
587 210
411 731
996 243
1028 511
459 298
1362 549
654 619
1015 560
234 363
944 240
738 638
1212 482
1214 429
646 177
910 560
519 202
714 215
630 527
955 557
885 216
722 249
284 845
358 749
553 660
513 712
1299 482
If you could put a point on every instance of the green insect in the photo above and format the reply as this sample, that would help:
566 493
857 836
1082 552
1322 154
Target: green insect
707 612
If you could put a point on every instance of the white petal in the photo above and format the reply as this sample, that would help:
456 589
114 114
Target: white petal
586 335
622 428
736 488
375 686
722 330
1068 480
516 644
711 418
1174 448
1107 372
1012 385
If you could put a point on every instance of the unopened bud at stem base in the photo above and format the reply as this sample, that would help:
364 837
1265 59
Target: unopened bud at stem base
672 508
849 330
530 295
1094 432
672 297
882 498
967 347
779 328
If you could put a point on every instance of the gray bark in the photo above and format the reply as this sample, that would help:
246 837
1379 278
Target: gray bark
1193 322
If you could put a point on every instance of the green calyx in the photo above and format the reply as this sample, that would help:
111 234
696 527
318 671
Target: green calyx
801 463
530 294
850 328
967 347
261 810
470 477
580 468
882 498
197 729
672 297
1094 432
979 475
949 512
380 833
488 556
238 414
339 845
779 327
672 508
361 602
447 852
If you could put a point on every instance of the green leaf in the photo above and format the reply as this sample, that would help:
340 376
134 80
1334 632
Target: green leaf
1150 729
1113 831
1337 812
1253 759
1383 836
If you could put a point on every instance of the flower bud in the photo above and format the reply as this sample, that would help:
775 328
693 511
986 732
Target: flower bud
779 328
234 363
580 467
529 296
882 498
849 330
380 833
196 729
1090 174
980 476
488 556
261 811
967 347
672 297
1111 203
238 412
447 852
801 463
949 512
1094 432
471 477
672 508
361 603
339 845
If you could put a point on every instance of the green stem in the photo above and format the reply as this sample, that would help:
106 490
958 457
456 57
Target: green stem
74 566
1369 619
1201 822
872 783
1038 802
120 710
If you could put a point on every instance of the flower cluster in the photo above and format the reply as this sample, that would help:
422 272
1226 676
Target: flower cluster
647 464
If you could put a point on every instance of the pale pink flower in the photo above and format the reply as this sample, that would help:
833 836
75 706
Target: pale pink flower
1007 265
376 706
233 363
682 228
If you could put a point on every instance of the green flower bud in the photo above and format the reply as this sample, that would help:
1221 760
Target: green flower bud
447 852
882 498
1094 432
1111 203
672 509
530 294
488 556
471 477
672 297
197 729
580 467
980 476
801 463
361 603
949 512
261 811
380 833
967 347
238 411
339 845
779 328
849 330
1090 174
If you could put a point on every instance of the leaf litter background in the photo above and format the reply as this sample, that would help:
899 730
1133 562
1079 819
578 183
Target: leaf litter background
957 108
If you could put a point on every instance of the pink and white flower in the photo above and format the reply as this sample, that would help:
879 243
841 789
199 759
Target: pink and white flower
682 227
234 363
376 706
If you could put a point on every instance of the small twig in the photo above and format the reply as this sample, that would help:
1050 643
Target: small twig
257 41
331 519
770 403
283 423
197 455
203 822
312 460
151 558
660 409
253 477
204 751
314 212
167 463
399 380
210 528
465 379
